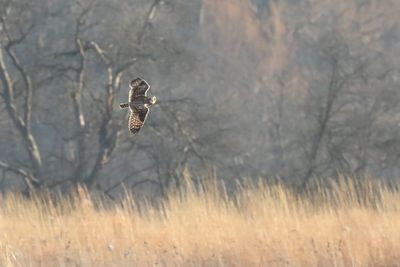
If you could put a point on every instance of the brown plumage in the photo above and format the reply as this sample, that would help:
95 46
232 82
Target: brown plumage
139 104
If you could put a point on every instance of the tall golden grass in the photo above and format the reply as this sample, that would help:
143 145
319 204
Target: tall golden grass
345 223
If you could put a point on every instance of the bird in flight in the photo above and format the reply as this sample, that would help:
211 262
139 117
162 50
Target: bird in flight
138 103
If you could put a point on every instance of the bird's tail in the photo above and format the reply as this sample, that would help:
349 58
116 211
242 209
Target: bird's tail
123 105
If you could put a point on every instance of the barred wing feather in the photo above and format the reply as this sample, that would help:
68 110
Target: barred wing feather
137 117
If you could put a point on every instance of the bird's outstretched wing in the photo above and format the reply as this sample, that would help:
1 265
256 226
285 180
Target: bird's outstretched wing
137 117
139 87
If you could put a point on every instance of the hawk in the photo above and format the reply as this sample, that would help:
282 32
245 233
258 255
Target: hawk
138 103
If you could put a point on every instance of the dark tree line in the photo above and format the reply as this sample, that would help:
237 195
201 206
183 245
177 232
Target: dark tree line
275 90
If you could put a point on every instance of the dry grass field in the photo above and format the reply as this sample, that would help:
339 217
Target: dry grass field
347 223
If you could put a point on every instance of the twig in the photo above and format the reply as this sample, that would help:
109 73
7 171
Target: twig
126 178
28 178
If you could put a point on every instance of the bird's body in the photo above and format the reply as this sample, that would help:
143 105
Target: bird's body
141 100
139 104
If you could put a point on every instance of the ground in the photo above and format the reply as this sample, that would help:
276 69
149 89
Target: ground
349 224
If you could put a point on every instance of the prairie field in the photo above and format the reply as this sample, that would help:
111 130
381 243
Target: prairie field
344 223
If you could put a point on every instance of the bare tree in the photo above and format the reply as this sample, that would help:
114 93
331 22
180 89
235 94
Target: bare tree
11 69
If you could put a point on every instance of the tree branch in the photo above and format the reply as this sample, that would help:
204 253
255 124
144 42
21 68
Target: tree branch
108 190
22 125
30 181
149 15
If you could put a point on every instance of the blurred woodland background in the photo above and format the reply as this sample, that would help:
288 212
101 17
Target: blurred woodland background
294 89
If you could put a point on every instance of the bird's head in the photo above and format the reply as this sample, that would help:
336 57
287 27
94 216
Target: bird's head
153 100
